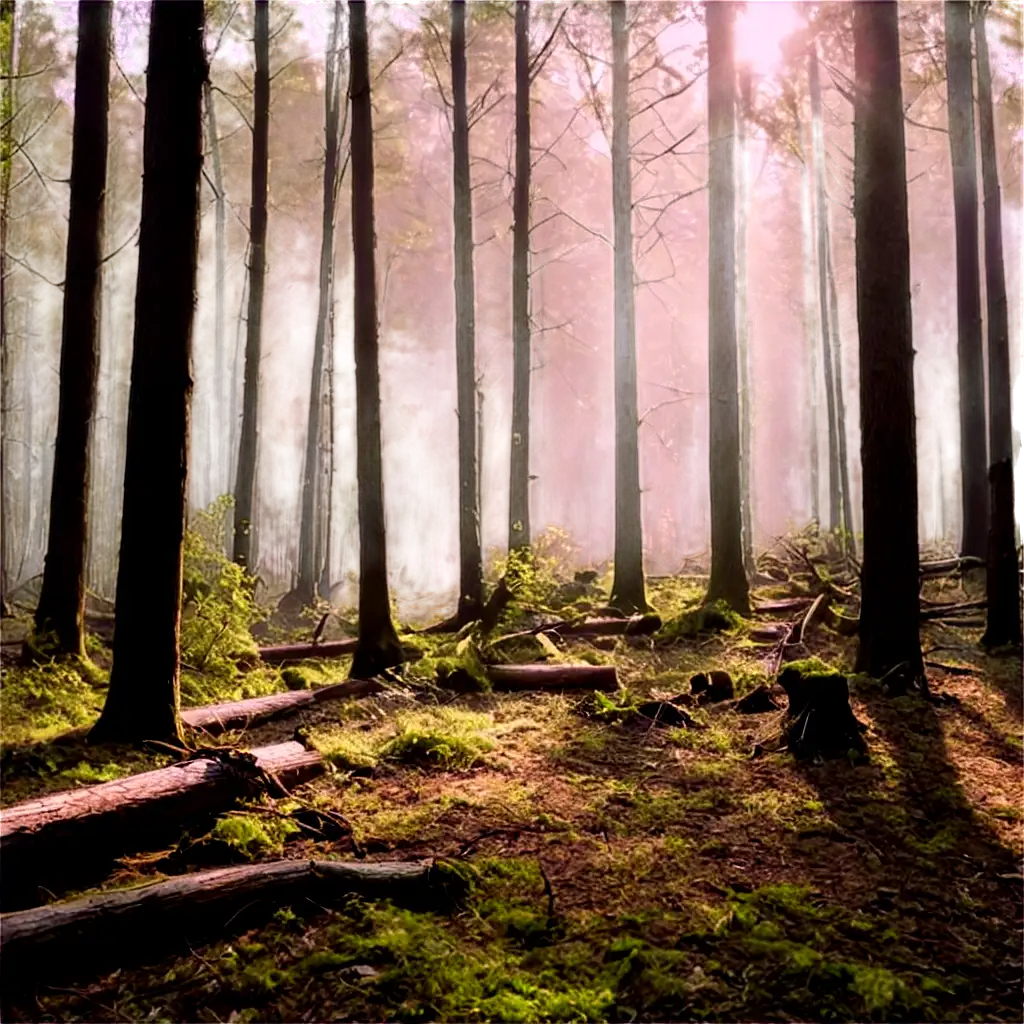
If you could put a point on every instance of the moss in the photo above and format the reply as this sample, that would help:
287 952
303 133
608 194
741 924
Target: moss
39 702
716 617
252 835
444 738
295 679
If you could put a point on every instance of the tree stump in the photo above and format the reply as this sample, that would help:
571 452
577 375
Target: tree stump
820 723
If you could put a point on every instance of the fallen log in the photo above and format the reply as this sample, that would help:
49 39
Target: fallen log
636 625
814 613
218 718
98 823
783 606
944 565
284 654
841 624
941 611
49 943
553 677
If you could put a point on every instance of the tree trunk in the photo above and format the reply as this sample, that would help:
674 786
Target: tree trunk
973 460
553 677
889 587
1003 569
284 654
7 10
218 443
309 569
245 480
378 648
628 594
728 580
58 621
846 521
142 702
66 837
742 319
519 476
821 220
471 584
57 943
810 330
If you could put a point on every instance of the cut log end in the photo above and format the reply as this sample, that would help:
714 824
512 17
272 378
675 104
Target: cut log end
820 723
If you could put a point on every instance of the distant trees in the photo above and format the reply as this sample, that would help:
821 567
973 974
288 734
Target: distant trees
960 91
59 614
728 580
1003 568
378 648
889 636
628 591
245 479
142 702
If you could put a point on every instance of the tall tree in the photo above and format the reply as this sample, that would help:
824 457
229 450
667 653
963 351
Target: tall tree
142 702
470 560
519 474
746 86
835 514
309 548
728 580
848 540
61 609
810 324
960 93
1003 569
378 648
7 12
628 592
245 479
889 635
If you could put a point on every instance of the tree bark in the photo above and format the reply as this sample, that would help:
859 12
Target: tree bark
519 473
846 521
142 702
728 580
309 565
628 592
245 479
219 456
1003 579
7 26
86 935
973 459
378 648
742 318
283 654
810 330
66 837
471 583
552 677
822 240
59 614
889 634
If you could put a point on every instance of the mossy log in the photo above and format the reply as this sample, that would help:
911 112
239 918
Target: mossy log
635 625
945 565
553 677
285 654
52 942
784 606
819 722
942 611
61 840
217 718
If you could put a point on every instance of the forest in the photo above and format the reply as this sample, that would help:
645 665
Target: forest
511 510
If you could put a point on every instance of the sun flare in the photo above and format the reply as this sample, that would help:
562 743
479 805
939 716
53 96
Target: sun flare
760 31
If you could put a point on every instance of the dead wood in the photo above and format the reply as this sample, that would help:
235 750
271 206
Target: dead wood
841 624
284 654
950 565
758 702
820 723
664 713
553 677
49 943
941 611
782 606
98 823
712 687
218 718
814 614
635 625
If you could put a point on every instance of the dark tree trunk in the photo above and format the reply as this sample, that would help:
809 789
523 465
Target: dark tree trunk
846 521
889 585
519 477
973 458
142 702
7 10
310 565
1003 568
219 456
628 593
728 580
810 329
471 583
742 318
245 480
59 615
378 648
821 221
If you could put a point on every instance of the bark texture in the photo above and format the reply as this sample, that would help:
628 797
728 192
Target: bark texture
553 677
7 28
61 608
745 83
284 654
142 701
889 586
728 580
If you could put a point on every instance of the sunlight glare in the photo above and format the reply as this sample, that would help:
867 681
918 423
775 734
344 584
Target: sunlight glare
760 30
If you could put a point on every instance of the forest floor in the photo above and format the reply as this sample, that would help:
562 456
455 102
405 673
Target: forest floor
619 870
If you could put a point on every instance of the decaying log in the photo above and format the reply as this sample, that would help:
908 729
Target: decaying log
841 624
945 565
942 611
49 943
284 654
62 839
783 606
814 613
819 721
712 687
636 625
758 702
769 634
553 677
217 718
